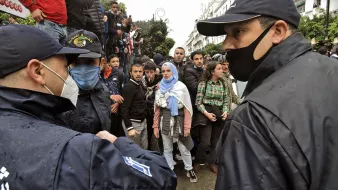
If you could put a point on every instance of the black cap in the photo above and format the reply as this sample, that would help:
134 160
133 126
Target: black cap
20 43
85 40
243 10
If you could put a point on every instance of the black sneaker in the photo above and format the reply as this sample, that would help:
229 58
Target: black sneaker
191 174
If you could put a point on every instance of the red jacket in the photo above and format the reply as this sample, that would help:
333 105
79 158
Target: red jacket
55 10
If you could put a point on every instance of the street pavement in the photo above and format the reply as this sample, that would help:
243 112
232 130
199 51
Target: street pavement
206 179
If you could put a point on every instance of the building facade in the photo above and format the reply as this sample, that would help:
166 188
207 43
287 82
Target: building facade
311 7
213 9
217 8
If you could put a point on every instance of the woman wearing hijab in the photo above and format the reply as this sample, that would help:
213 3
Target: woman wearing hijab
212 102
173 113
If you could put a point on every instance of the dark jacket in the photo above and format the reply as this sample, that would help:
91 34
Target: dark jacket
180 69
150 92
38 153
114 81
113 20
95 22
283 136
85 14
76 12
92 113
192 77
134 107
151 88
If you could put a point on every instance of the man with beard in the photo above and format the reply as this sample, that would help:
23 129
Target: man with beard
179 55
150 82
134 108
232 98
283 135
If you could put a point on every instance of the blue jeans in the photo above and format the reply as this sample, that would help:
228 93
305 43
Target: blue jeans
56 31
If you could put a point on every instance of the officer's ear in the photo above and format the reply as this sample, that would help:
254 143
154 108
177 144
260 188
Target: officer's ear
35 72
280 31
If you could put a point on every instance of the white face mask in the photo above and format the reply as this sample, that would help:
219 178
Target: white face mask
70 89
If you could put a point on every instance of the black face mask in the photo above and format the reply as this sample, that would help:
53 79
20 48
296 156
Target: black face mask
241 61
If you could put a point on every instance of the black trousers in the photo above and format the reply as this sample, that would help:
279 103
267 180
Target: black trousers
116 125
209 136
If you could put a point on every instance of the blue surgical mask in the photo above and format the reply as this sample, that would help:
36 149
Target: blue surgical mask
85 76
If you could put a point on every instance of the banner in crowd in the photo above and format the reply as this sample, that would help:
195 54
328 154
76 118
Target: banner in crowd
14 7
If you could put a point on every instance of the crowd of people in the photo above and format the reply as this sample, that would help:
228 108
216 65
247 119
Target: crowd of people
82 108
172 106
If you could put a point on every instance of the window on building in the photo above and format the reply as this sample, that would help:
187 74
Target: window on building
301 8
316 3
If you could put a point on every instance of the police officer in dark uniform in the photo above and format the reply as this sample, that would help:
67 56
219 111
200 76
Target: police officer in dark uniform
92 113
36 151
284 134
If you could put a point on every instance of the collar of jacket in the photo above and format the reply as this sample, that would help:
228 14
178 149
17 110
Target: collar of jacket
282 54
137 83
199 68
113 73
178 64
36 104
157 79
98 86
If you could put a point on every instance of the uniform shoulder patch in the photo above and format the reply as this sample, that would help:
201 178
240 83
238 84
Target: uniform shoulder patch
138 166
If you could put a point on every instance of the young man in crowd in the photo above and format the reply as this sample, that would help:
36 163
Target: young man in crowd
112 77
283 135
50 17
179 55
192 77
114 29
92 113
150 82
134 107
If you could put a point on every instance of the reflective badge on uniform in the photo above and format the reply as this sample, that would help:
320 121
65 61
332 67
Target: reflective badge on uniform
138 166
3 175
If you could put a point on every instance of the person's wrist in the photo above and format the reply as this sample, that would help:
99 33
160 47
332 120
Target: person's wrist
206 113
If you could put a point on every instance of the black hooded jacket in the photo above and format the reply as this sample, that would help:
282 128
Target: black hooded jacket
92 113
283 136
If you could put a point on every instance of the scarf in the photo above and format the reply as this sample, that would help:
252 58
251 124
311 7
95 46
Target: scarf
166 86
107 73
